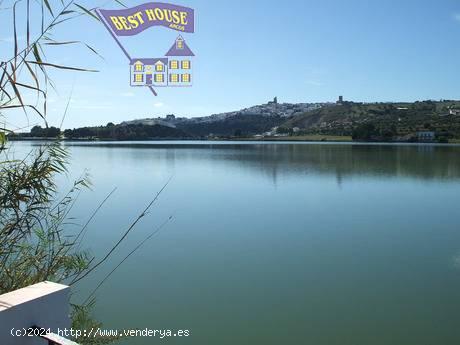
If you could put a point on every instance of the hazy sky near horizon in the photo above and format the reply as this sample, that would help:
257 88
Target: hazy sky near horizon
247 52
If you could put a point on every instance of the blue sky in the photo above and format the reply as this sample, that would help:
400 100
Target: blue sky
247 52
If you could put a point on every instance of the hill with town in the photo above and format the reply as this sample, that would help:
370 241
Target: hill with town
405 121
385 121
248 121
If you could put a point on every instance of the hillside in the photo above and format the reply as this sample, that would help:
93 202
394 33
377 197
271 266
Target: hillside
237 125
397 119
248 121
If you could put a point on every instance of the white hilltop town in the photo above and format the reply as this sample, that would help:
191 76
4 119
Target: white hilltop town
272 108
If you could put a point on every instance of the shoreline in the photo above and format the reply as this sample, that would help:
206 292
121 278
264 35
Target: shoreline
301 139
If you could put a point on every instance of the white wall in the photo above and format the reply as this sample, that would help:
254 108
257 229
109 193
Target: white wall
44 305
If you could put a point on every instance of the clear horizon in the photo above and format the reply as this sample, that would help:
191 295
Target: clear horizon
246 54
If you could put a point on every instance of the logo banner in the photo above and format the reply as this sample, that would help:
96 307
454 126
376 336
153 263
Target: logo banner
131 21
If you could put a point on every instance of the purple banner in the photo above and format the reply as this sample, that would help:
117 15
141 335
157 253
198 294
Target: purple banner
131 21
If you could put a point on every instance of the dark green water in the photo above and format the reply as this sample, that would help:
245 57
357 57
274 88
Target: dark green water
318 244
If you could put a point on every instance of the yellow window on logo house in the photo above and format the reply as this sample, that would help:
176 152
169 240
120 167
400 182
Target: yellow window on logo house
159 78
186 78
174 78
138 78
174 64
159 67
180 44
138 67
186 64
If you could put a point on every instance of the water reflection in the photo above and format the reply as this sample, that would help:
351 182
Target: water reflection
342 160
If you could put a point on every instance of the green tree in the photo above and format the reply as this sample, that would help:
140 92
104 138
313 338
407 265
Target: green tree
49 132
364 131
285 130
36 131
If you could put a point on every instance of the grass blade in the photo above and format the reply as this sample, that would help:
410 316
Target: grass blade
88 12
62 67
47 4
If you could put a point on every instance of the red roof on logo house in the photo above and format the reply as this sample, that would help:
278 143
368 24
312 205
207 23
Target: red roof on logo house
184 51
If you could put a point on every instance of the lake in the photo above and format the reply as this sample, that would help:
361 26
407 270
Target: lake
276 243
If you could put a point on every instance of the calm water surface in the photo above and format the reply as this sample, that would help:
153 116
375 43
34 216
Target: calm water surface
318 244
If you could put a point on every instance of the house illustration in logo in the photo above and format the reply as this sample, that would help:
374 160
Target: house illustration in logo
175 69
